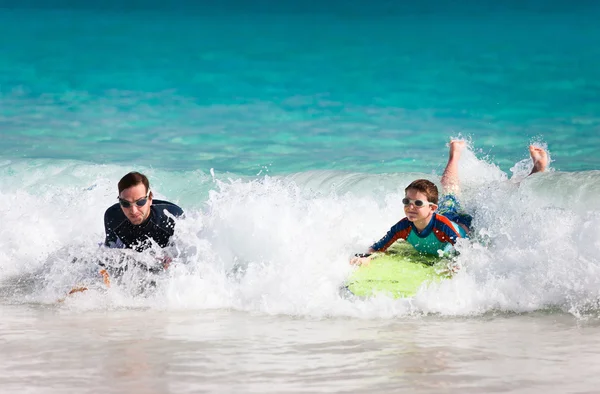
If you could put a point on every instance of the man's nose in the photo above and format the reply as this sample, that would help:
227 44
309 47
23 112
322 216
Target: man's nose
133 208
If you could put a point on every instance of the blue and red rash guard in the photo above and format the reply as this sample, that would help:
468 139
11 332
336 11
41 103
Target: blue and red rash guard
440 235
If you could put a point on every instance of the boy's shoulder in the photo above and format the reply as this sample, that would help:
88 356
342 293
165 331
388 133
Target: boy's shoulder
403 223
441 218
448 226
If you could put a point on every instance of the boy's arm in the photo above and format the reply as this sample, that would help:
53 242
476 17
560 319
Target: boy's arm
398 231
448 250
448 232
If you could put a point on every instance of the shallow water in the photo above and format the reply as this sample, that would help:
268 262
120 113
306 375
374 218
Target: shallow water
50 350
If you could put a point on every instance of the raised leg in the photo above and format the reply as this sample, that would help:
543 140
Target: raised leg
540 159
450 181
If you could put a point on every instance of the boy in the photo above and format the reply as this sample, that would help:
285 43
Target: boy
428 231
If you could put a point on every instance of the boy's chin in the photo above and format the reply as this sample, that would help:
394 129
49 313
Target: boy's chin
415 218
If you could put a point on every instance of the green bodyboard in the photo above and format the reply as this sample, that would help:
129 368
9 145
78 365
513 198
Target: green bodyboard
399 273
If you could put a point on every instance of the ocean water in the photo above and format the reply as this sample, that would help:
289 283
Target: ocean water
287 133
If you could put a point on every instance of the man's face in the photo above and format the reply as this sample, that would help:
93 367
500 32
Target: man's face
133 194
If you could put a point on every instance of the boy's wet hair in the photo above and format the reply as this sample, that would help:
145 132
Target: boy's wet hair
134 178
426 187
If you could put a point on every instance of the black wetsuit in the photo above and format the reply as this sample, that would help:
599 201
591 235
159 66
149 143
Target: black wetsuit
121 233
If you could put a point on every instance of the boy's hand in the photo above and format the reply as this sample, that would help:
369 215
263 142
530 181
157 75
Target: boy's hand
357 260
449 268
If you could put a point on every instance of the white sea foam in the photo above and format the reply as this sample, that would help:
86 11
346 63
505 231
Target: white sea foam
280 245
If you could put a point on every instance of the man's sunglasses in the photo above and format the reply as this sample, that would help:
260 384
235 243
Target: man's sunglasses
416 203
128 204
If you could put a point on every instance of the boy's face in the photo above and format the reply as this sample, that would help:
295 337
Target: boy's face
417 214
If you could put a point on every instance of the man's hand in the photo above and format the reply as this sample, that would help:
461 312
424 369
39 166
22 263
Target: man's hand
166 262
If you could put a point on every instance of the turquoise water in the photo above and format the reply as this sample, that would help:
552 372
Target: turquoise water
240 91
287 133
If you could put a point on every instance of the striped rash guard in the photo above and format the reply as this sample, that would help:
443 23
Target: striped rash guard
440 234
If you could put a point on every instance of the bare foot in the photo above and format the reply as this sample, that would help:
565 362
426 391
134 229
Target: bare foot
456 147
539 157
450 181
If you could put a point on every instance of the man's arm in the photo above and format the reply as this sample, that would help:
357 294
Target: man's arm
111 238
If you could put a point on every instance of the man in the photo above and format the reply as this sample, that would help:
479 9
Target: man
136 221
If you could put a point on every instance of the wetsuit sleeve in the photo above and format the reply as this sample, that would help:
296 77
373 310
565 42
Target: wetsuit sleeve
398 231
175 211
447 232
449 249
111 238
164 218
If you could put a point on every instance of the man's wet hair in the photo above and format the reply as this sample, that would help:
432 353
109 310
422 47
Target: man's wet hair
134 178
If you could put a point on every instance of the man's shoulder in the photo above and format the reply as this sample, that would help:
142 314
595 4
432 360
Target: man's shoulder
114 212
160 205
